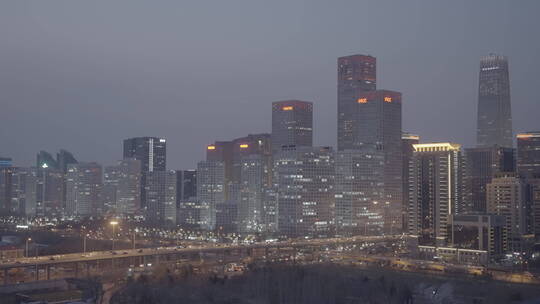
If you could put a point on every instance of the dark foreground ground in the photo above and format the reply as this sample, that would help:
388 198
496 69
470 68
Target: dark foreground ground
320 284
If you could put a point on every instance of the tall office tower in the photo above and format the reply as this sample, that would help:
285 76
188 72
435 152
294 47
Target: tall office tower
407 142
528 154
507 196
481 164
252 172
50 186
359 190
64 158
494 108
222 151
533 197
128 192
304 179
292 124
356 74
27 180
18 190
210 190
151 152
232 154
6 190
269 213
253 184
84 182
111 178
161 197
378 126
189 214
186 184
435 190
45 160
5 162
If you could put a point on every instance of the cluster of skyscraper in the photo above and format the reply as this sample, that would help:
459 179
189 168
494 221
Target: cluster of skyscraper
379 180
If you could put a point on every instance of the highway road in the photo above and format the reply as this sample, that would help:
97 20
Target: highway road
121 254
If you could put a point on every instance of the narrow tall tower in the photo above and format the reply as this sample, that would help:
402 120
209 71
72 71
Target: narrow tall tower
494 109
356 74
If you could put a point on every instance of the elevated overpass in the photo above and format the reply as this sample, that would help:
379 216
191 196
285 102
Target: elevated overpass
79 264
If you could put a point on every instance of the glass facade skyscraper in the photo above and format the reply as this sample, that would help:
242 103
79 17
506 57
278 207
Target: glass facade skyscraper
494 108
292 124
528 151
356 74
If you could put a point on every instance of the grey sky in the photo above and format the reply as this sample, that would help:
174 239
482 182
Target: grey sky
83 75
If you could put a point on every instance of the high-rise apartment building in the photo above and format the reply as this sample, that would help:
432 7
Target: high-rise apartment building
359 192
83 189
304 179
528 154
292 124
161 197
494 108
507 195
407 142
436 179
356 74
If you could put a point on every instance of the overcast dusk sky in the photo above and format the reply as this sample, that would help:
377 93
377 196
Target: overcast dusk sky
84 75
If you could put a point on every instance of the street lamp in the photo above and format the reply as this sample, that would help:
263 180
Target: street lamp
27 240
113 224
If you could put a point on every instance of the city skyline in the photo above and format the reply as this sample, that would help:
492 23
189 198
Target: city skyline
438 75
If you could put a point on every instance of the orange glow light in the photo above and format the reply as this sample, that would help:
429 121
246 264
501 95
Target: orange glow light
362 100
288 108
243 146
388 99
211 147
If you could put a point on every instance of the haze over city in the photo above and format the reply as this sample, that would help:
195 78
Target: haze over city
83 76
269 152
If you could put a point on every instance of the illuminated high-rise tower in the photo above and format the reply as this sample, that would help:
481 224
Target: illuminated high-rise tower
151 152
356 74
292 124
494 109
